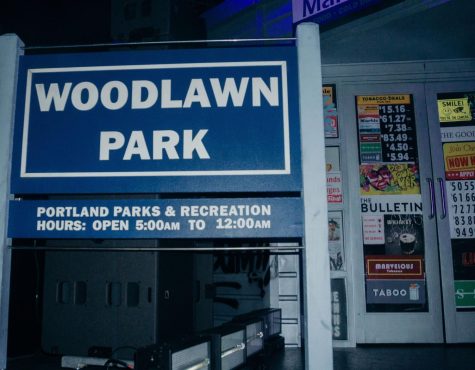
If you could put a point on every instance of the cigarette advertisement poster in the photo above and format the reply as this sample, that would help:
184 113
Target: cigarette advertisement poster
456 116
330 113
401 234
386 128
465 294
459 159
334 188
339 309
404 234
389 179
395 292
394 267
335 241
463 252
334 180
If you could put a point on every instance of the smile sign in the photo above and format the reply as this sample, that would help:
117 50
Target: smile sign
185 121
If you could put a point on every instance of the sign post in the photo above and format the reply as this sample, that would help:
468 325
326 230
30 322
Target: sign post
317 301
223 121
10 50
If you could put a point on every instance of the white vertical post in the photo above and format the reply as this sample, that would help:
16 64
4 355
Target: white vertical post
10 48
316 266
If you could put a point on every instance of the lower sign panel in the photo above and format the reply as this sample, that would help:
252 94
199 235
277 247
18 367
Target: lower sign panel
163 218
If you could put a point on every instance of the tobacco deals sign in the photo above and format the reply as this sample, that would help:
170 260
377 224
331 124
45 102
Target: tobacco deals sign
176 121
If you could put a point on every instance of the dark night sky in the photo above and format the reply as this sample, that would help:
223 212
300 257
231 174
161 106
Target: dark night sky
73 22
56 22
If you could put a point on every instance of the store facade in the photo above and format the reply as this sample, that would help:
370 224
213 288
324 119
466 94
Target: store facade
399 114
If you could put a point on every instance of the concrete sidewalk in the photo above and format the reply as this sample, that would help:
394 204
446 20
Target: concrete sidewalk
370 357
402 357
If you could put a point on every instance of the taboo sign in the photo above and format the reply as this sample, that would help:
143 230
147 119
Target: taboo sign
174 121
395 291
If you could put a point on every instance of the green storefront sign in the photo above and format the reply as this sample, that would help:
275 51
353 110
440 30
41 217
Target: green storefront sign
465 293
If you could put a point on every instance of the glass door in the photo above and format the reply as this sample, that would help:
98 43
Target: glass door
392 190
451 113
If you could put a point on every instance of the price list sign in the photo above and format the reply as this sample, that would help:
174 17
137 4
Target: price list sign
461 202
386 128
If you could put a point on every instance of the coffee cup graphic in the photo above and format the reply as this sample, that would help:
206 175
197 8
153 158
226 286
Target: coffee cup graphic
407 242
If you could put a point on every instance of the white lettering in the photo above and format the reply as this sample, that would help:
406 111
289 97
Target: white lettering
162 141
144 94
165 140
167 101
230 89
191 144
52 96
271 94
122 95
152 94
196 94
92 96
110 140
136 146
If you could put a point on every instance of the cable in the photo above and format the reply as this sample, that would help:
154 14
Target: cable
114 362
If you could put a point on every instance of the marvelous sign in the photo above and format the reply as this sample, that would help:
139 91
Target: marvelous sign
180 121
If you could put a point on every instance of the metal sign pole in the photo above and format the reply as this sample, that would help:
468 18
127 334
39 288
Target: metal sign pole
318 325
10 49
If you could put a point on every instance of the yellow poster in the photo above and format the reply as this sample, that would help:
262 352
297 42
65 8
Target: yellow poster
389 179
454 110
459 159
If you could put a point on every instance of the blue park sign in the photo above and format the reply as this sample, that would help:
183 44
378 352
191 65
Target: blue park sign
210 120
